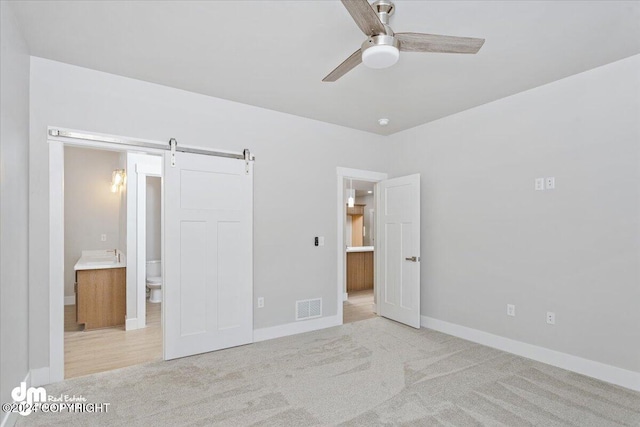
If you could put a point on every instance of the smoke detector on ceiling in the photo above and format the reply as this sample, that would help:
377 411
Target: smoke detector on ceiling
383 122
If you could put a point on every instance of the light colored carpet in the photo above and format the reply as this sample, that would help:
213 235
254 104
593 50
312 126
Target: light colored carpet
368 373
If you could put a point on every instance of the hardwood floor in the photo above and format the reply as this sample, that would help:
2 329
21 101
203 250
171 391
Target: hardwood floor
88 352
359 306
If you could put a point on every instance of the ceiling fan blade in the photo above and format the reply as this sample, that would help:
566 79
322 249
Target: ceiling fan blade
345 67
364 15
417 42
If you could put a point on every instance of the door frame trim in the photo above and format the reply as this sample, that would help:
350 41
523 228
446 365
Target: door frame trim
359 174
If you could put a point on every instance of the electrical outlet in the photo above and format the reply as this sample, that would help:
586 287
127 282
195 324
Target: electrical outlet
550 183
103 237
539 184
511 310
551 318
260 302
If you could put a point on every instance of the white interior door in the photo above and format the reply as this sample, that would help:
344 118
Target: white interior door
398 247
208 254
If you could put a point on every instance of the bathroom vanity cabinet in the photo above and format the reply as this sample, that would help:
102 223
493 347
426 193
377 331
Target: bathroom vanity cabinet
101 297
359 268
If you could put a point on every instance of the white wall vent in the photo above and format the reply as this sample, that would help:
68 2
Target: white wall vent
308 309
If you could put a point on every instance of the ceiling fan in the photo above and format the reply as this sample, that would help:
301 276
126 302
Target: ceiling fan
382 47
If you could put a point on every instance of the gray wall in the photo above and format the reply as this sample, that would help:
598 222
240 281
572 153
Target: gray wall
295 156
14 207
489 239
90 208
153 217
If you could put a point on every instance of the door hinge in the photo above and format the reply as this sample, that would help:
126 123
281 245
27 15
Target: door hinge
247 159
173 144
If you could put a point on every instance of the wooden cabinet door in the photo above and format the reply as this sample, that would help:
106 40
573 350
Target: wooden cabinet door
101 298
359 271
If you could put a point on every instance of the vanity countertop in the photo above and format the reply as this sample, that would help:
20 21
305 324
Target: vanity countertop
359 249
101 259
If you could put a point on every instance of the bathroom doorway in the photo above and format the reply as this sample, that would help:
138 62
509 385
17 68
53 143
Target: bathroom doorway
357 242
112 226
360 241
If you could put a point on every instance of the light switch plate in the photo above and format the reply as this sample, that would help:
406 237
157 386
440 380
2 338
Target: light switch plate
103 237
321 240
511 310
539 186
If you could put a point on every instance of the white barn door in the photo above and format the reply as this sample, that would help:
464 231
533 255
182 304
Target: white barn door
208 254
398 246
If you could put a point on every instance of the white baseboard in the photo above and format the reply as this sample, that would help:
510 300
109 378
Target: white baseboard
346 296
70 300
9 419
40 376
300 327
374 306
590 368
131 324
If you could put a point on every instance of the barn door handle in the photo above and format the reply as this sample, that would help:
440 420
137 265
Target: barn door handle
412 259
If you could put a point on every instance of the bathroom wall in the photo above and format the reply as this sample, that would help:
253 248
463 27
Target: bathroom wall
153 217
368 202
90 208
14 206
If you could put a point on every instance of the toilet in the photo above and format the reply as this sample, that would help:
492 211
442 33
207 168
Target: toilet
154 280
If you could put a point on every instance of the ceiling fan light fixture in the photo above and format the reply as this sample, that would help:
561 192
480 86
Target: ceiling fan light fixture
380 56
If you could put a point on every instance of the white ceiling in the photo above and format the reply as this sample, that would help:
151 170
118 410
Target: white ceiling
273 54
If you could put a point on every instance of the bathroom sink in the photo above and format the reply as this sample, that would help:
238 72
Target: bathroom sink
100 259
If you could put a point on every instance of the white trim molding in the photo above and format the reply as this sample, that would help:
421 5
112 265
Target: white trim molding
131 324
11 418
40 376
294 328
590 368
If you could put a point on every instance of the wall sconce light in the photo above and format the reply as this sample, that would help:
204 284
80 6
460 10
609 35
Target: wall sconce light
117 180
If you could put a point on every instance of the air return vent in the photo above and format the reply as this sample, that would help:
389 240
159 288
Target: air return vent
308 308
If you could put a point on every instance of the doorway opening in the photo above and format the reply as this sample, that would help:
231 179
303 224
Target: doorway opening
205 218
112 216
357 243
360 244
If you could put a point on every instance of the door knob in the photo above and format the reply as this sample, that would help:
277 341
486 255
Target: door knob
412 259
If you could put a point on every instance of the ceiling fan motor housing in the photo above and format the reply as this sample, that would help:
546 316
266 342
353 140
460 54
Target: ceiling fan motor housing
381 50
